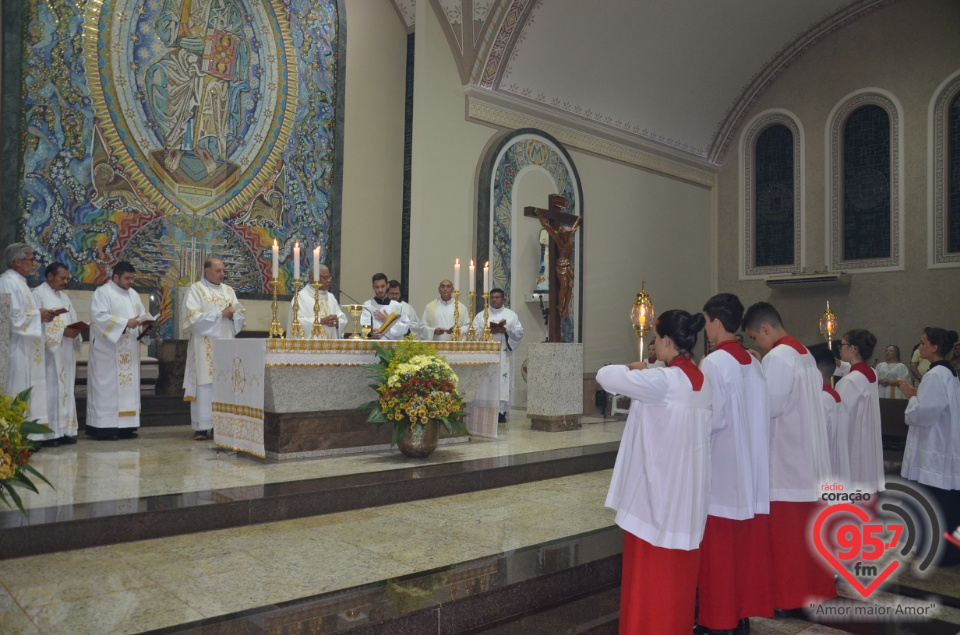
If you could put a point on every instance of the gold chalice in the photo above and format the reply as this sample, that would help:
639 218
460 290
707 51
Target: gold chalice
355 311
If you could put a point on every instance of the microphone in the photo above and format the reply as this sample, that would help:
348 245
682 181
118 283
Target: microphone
349 297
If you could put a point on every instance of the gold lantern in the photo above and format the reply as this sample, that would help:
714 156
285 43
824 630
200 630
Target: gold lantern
641 316
828 329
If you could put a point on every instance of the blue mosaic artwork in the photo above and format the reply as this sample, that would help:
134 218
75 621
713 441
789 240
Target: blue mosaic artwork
866 184
774 198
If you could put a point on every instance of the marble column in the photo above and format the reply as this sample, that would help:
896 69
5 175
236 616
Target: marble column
555 386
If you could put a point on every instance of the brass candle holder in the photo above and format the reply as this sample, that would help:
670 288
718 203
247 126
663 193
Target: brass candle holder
318 332
456 335
276 331
296 331
471 332
641 316
487 335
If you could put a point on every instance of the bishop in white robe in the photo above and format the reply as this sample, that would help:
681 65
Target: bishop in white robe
438 315
505 326
26 362
212 313
62 344
332 319
380 308
113 378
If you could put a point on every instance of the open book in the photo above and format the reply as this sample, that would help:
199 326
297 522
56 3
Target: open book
146 321
393 317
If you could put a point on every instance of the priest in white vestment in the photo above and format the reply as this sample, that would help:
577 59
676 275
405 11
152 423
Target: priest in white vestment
212 313
62 344
26 362
507 330
332 319
438 315
380 308
417 328
117 319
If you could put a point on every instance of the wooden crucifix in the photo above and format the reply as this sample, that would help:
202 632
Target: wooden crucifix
562 274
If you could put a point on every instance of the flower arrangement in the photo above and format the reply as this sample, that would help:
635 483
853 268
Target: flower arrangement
16 448
415 386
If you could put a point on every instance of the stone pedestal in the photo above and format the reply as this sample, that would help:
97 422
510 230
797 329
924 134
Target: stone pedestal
555 386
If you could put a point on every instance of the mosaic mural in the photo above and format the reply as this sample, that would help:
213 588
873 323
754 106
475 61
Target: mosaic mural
162 131
525 152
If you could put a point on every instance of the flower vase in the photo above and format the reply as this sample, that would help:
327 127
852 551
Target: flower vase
419 441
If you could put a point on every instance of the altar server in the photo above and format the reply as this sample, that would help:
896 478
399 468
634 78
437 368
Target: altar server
113 377
835 416
661 480
506 329
62 344
861 401
735 563
417 328
438 315
27 320
652 361
799 459
331 317
212 313
379 309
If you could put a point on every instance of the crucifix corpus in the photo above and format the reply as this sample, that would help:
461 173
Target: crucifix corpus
562 273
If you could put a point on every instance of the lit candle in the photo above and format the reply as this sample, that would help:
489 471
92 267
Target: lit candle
296 261
316 264
276 259
456 275
486 277
473 277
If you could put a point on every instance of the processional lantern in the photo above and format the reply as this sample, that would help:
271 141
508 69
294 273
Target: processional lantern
828 329
641 316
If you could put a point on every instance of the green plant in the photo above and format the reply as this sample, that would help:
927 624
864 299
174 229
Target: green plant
16 448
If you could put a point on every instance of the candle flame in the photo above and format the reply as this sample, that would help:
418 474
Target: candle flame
471 262
274 242
457 262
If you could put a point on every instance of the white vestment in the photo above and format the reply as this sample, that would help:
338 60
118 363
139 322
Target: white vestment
113 375
26 360
932 454
61 361
838 424
205 303
418 329
399 328
859 398
897 371
308 297
439 314
495 392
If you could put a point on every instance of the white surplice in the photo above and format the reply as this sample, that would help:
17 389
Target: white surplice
418 329
113 375
399 328
897 371
660 487
204 320
26 368
308 298
859 398
838 425
932 453
495 392
439 314
740 446
60 361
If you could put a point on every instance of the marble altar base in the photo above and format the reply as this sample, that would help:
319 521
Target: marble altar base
555 386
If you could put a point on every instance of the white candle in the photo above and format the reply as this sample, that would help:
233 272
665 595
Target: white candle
456 275
276 259
316 264
296 261
473 277
486 277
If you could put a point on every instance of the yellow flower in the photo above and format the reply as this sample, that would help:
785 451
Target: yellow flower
7 468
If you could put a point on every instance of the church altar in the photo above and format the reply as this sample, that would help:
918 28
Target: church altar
284 399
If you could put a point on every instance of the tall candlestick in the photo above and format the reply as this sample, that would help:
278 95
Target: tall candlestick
316 264
296 261
473 279
276 259
486 277
456 275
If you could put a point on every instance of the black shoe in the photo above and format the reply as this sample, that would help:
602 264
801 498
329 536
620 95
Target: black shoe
68 440
744 626
703 630
51 443
127 435
109 437
790 614
502 417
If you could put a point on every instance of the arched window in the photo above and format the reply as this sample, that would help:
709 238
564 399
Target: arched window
864 185
944 239
771 223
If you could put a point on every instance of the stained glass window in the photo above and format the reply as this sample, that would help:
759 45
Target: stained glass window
953 176
773 196
866 184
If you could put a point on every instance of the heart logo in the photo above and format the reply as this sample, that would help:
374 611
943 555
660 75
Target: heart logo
832 559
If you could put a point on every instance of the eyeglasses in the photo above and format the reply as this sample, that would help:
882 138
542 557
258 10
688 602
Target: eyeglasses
29 258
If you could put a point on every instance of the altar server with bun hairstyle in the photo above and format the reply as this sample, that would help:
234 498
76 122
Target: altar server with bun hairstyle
735 562
799 460
861 400
661 481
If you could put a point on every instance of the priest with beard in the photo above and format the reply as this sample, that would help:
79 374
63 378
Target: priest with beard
62 344
378 309
117 320
507 330
438 315
332 319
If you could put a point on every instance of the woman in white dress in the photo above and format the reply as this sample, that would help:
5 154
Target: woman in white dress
890 372
860 400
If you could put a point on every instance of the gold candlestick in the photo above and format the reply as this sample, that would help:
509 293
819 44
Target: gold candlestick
296 331
471 332
275 329
456 335
487 335
318 332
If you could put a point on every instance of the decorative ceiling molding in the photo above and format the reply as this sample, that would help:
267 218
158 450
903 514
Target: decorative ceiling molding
731 123
511 113
407 12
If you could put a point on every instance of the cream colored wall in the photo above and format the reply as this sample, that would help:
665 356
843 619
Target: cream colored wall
373 152
908 49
